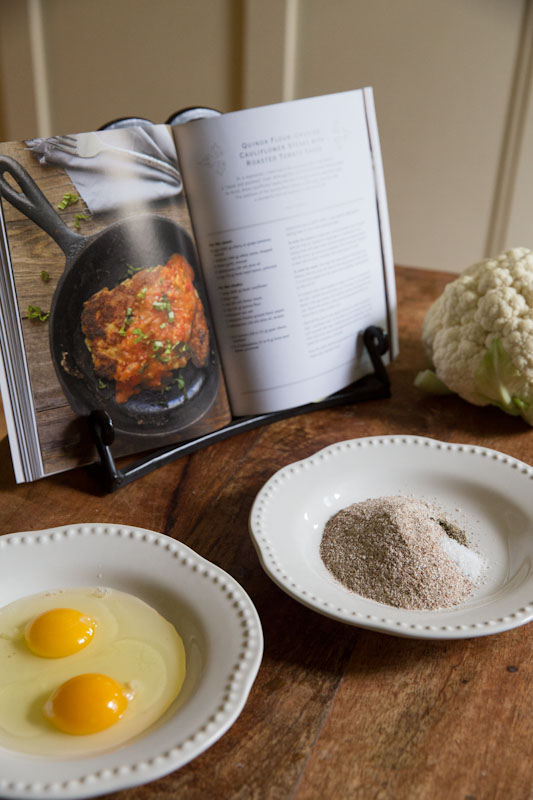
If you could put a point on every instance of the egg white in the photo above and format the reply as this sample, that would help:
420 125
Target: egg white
132 643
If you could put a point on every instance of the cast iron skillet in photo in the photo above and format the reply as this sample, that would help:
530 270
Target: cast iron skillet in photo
98 261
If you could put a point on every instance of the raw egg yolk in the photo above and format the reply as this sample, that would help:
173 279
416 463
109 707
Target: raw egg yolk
86 704
59 632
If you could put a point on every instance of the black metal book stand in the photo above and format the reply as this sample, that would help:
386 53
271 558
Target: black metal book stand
371 387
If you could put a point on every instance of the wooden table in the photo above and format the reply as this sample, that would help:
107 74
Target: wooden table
336 711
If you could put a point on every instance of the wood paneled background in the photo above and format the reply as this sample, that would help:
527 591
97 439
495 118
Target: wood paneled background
453 82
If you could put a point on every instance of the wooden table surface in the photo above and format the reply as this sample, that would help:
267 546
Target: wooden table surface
336 711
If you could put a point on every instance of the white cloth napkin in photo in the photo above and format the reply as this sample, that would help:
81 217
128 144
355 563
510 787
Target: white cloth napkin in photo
109 180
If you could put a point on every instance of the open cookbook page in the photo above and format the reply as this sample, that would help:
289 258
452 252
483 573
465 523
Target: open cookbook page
102 300
289 212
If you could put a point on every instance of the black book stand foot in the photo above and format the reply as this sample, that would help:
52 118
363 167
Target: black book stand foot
370 387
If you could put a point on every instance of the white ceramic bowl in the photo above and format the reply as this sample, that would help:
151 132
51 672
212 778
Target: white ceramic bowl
214 616
488 493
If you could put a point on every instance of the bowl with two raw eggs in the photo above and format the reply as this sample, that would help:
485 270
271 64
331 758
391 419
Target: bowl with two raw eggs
127 655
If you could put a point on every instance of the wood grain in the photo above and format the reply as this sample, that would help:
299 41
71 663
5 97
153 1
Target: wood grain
336 711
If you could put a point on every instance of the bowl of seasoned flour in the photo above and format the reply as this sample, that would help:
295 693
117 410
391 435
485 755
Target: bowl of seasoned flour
405 535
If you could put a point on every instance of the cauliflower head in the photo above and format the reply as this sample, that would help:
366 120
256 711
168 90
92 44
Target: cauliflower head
479 335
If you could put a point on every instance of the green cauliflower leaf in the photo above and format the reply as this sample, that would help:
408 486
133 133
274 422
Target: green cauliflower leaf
500 383
428 381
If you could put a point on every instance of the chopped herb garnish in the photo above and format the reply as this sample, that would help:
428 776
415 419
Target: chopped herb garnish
183 347
163 304
68 200
162 400
164 356
132 270
101 384
128 319
180 382
163 325
45 276
78 218
142 294
35 312
140 335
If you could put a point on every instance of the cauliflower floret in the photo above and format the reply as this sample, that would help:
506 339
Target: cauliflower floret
479 335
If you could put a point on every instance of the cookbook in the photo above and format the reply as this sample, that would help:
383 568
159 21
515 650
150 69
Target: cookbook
182 276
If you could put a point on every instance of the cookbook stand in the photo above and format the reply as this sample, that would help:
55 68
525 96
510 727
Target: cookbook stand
370 387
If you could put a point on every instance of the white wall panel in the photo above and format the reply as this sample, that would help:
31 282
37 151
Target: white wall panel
18 114
520 228
144 58
266 51
519 219
442 72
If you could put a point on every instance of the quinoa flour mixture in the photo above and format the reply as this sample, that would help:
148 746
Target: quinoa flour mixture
402 552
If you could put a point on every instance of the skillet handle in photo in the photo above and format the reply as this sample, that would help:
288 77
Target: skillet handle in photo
31 202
